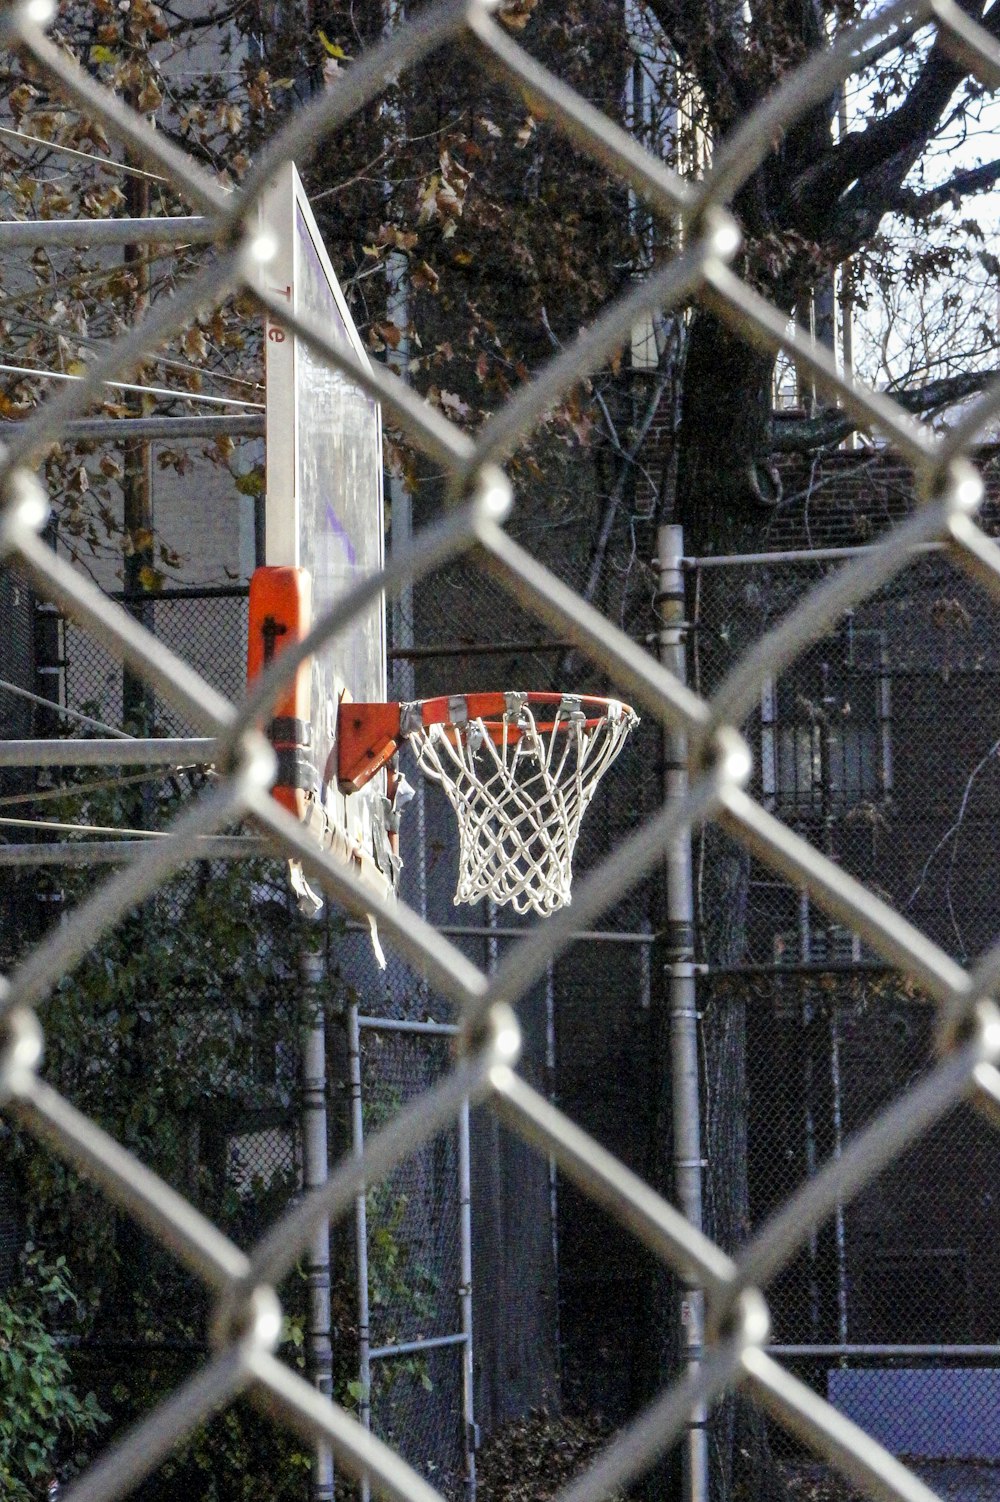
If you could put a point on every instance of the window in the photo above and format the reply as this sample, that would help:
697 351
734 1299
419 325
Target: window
825 728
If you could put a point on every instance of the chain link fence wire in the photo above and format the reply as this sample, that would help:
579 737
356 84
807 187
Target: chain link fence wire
415 1348
478 640
208 627
238 1280
413 1220
413 1225
427 1435
179 1037
879 745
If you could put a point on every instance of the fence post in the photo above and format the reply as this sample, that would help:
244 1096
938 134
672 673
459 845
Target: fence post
682 999
138 698
470 1434
315 1169
360 1230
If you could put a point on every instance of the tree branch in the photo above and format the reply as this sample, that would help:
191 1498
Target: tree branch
877 159
974 180
801 435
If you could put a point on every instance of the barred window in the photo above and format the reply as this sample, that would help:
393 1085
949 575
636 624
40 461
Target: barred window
825 728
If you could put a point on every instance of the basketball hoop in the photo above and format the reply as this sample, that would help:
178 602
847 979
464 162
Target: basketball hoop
519 769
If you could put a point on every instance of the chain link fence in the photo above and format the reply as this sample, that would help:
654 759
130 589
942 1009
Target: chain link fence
879 746
810 1236
208 627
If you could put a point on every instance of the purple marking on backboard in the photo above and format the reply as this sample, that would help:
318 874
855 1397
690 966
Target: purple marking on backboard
341 532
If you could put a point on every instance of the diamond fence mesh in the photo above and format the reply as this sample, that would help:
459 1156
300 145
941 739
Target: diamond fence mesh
207 627
808 1240
428 1436
413 1215
879 746
413 1351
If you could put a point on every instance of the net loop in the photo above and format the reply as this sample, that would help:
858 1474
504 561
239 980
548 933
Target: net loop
520 783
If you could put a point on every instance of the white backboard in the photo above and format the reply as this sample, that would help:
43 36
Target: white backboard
323 506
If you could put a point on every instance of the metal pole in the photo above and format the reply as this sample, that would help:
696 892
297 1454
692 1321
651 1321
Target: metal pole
398 312
470 1435
830 848
315 1171
143 391
682 996
174 752
580 936
809 1119
141 230
403 1025
119 852
800 555
360 1230
551 1081
918 1352
125 429
468 649
844 278
840 1220
138 698
414 1347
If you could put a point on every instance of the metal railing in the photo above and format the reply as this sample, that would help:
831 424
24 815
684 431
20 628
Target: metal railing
247 1321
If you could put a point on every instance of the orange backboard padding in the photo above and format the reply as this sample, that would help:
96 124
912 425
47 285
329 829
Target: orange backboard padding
367 737
280 615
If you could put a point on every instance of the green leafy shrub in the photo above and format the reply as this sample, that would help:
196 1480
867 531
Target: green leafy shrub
176 1033
42 1418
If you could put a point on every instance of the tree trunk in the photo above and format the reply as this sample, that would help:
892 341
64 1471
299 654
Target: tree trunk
725 483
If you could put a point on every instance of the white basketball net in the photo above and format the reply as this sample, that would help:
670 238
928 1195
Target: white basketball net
520 799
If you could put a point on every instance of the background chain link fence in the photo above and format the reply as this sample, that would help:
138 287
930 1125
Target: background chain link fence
811 1238
208 627
879 746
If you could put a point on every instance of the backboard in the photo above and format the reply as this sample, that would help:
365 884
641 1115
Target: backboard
324 517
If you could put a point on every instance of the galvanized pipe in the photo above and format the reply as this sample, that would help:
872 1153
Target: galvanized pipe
219 847
414 1347
551 1076
580 936
682 996
132 752
167 393
360 1228
125 429
798 555
185 230
401 1025
930 1352
472 649
470 1430
315 1172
